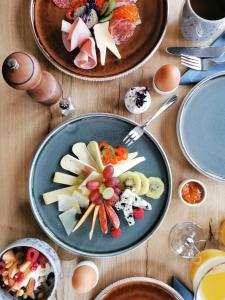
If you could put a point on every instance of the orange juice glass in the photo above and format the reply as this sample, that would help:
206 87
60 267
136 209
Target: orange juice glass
207 273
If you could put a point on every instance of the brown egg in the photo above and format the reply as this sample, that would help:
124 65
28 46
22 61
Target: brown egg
167 78
85 277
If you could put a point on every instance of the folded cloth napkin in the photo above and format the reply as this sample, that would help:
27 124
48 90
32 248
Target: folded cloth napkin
182 289
192 76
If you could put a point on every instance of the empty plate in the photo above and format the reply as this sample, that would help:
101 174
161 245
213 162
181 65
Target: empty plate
201 127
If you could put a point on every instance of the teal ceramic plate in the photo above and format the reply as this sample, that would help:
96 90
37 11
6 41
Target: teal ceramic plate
201 127
46 161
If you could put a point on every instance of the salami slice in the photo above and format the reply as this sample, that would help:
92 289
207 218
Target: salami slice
62 3
121 30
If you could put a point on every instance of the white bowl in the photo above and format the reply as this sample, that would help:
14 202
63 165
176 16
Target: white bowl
46 250
182 184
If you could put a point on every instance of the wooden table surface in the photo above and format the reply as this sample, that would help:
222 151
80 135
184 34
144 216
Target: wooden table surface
24 124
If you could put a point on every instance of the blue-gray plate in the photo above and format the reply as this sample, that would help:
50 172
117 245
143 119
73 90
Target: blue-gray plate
59 142
201 127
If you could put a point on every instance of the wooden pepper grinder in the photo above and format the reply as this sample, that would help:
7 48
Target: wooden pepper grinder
22 71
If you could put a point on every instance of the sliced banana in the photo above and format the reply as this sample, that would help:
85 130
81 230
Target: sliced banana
144 184
156 188
130 180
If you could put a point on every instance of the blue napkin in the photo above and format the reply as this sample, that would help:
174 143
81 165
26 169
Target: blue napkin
182 289
192 76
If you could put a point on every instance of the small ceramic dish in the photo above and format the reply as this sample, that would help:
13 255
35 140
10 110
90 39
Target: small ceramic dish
201 190
46 251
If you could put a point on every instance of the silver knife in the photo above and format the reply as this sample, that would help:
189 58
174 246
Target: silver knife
197 51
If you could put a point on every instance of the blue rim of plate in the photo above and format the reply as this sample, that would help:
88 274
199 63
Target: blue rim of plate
49 232
178 127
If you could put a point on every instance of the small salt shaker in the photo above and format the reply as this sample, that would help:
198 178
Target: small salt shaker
66 106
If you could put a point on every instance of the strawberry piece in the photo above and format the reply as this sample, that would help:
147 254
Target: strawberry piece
2 267
34 266
11 282
115 232
42 260
139 213
99 3
114 219
19 277
32 255
103 219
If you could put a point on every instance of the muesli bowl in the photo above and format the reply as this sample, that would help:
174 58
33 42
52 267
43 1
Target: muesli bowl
29 269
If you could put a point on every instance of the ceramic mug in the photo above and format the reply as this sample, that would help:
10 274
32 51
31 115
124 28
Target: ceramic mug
46 250
195 28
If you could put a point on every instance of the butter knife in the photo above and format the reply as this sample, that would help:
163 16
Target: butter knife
197 51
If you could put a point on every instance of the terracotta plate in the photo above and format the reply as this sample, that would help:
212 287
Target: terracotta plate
139 288
46 23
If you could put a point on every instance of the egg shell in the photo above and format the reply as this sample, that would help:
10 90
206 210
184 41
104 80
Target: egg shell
167 78
85 277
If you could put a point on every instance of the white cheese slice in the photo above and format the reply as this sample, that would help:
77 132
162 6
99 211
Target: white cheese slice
104 40
52 196
81 151
64 178
66 202
127 165
74 165
94 150
82 199
68 219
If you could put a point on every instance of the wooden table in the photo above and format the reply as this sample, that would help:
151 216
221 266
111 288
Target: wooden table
24 124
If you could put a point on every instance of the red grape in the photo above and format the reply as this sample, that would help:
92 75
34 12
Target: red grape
108 172
93 185
117 190
113 200
94 196
112 182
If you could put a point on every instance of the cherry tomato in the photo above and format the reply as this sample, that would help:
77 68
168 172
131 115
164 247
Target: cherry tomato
121 153
69 13
114 160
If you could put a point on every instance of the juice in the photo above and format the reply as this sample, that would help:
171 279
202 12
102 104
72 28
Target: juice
202 263
212 286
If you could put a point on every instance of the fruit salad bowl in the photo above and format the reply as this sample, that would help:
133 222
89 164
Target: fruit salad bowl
29 269
66 206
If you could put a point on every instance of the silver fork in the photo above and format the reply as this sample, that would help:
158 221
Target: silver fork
138 131
200 64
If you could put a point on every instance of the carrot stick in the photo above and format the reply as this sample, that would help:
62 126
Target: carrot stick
94 221
84 217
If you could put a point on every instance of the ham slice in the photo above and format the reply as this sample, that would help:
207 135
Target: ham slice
87 58
74 35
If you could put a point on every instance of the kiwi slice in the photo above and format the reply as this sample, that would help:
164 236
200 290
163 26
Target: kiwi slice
144 184
130 180
156 188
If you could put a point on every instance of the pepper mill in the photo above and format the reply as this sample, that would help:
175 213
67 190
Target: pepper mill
22 71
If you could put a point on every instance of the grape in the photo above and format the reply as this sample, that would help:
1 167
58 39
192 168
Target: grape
108 172
94 196
93 185
112 182
108 193
113 200
117 190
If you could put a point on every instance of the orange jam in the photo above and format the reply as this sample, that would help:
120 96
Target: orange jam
193 192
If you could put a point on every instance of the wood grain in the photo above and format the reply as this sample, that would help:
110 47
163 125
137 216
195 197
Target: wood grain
24 123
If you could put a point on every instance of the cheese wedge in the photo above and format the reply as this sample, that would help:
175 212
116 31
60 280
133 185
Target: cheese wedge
81 151
52 197
65 179
94 150
76 166
68 219
82 199
127 165
104 40
66 202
